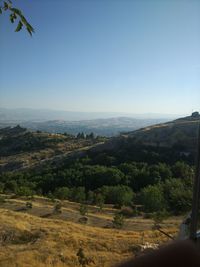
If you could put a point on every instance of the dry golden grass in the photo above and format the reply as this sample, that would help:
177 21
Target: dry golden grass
28 240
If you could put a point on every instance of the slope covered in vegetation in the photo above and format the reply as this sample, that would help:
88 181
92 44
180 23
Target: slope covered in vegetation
20 148
156 178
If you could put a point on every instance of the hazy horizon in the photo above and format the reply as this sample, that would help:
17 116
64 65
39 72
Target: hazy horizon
92 114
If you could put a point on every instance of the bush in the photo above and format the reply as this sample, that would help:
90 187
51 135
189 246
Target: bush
83 220
82 259
118 221
160 216
83 209
29 205
58 207
127 211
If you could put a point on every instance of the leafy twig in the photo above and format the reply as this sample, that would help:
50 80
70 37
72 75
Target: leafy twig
15 14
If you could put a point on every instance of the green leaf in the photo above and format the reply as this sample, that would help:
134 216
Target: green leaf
16 11
14 16
0 10
19 26
6 6
12 19
30 30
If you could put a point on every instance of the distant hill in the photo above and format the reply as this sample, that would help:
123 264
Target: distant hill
21 148
104 124
103 127
172 141
181 133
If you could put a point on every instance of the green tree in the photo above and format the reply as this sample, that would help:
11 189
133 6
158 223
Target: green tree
78 194
178 195
97 176
81 135
119 195
152 198
62 193
182 170
24 191
90 197
99 200
11 186
2 186
91 136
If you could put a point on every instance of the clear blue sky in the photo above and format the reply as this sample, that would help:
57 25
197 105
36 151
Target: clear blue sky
103 55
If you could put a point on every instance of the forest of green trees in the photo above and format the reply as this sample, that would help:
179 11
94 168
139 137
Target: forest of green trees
103 178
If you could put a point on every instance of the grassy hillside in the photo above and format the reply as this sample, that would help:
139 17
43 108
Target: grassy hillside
30 240
180 133
167 142
20 148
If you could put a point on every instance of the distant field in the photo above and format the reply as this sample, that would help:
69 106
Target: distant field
37 237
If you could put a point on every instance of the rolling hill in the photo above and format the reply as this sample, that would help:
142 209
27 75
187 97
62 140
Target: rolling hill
104 124
180 134
21 148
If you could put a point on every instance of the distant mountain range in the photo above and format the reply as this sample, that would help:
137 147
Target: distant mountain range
106 124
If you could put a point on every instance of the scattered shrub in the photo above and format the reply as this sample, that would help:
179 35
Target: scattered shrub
83 209
29 205
127 212
82 259
83 220
118 221
58 208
